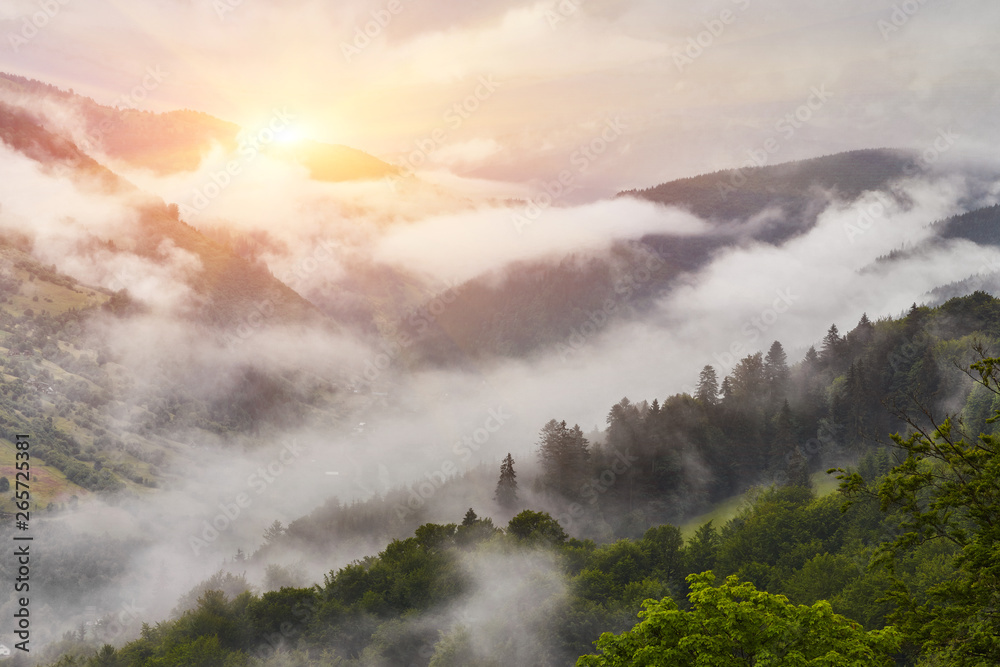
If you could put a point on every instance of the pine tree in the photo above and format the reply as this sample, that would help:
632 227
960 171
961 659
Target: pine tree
776 372
506 493
470 518
783 441
708 386
727 389
832 346
798 470
564 456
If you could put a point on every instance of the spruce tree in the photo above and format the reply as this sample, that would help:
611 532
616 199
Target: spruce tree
776 372
506 493
708 386
564 456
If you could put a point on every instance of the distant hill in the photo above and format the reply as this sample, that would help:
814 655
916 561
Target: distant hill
233 286
981 226
177 140
797 189
543 303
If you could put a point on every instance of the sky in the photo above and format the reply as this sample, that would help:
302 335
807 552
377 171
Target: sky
501 97
512 91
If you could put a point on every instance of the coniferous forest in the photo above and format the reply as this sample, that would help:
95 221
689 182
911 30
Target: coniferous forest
894 566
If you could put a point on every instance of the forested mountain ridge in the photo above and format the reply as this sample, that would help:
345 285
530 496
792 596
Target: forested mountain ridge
232 286
529 307
791 187
766 422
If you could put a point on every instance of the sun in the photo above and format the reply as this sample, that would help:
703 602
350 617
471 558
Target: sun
289 135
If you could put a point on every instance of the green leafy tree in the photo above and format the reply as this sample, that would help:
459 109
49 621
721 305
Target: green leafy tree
532 526
107 656
947 490
735 625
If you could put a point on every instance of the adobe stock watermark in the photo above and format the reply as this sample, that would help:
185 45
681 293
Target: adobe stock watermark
591 490
419 321
35 23
941 144
111 626
223 7
826 436
901 14
464 448
230 511
255 318
754 328
454 117
786 126
364 34
321 253
597 319
562 12
250 145
875 211
581 159
714 28
151 80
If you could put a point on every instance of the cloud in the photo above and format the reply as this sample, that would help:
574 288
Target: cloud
460 246
469 152
891 87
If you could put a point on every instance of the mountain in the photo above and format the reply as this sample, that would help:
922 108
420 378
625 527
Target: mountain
177 141
540 304
981 226
231 286
797 190
772 430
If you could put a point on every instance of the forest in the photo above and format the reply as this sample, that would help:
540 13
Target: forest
897 567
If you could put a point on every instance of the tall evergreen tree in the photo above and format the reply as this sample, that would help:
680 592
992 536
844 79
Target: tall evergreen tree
748 381
833 345
564 456
708 386
776 373
783 440
726 390
506 492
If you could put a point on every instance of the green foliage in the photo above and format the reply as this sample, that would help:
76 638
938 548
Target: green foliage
947 493
736 625
564 455
532 526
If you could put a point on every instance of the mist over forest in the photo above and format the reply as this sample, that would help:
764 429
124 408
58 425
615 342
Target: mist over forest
553 333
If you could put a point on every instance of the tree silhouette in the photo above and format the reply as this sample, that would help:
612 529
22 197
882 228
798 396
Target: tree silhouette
506 493
564 457
708 386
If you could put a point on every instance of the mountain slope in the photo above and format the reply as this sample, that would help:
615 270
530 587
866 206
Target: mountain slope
543 303
798 189
176 141
231 286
